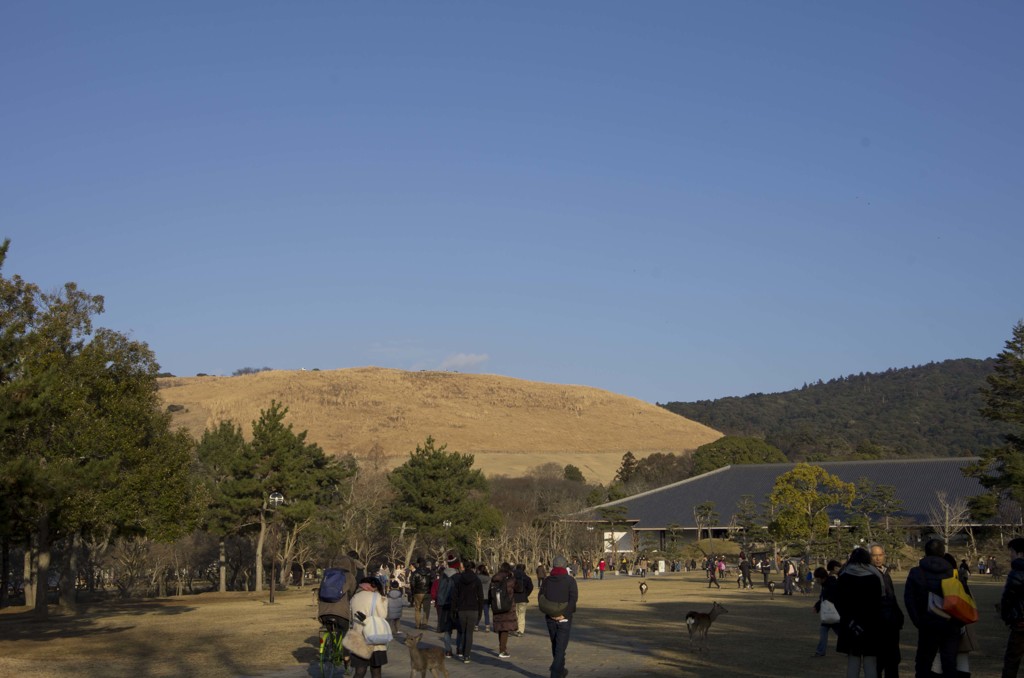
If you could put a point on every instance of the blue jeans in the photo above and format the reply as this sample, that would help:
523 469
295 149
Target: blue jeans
823 637
559 633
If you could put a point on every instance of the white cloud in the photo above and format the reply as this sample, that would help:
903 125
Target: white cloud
463 361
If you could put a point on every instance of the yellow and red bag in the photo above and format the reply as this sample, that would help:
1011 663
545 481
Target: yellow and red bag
957 602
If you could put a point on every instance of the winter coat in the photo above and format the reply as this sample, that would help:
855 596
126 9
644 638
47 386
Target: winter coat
859 601
485 584
341 607
924 579
467 593
560 587
524 587
1011 605
505 621
396 601
354 641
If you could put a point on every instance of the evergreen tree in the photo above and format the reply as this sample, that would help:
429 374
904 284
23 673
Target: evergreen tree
1001 468
627 469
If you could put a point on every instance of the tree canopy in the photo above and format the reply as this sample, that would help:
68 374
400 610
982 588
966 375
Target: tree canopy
734 450
801 499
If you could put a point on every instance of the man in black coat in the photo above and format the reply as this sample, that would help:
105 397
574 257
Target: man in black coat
559 587
892 620
1011 608
524 587
467 606
935 633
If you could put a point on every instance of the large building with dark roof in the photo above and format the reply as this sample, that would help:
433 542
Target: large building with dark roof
671 508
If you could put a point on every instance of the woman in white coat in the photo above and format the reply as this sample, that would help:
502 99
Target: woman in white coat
368 601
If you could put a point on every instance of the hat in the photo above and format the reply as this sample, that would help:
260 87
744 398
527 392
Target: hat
559 561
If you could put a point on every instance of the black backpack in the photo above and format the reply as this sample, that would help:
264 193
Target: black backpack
444 590
501 600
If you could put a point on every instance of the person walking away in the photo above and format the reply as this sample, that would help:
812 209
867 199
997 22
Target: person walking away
339 604
889 656
420 584
766 569
745 571
968 641
524 587
467 606
713 573
542 571
1011 609
935 633
441 594
557 588
504 623
827 580
396 601
859 595
788 575
368 601
485 584
601 566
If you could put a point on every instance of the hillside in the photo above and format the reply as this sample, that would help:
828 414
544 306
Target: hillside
926 411
510 425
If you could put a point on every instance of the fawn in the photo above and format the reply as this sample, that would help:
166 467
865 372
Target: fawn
699 623
426 658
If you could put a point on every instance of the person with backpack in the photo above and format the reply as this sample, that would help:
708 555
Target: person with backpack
419 586
503 590
337 586
524 587
935 633
441 594
467 606
485 584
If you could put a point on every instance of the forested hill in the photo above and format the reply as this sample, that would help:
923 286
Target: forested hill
926 411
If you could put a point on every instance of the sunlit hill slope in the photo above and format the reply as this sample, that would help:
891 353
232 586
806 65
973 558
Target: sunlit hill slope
510 425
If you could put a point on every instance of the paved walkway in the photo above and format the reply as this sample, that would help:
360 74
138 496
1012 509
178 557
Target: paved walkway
590 653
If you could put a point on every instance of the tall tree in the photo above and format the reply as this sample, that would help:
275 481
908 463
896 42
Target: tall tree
1001 469
83 441
802 498
627 468
734 450
434 486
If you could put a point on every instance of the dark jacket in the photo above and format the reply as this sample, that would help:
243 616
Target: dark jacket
828 592
921 580
859 601
505 621
524 587
1011 604
467 594
559 587
341 607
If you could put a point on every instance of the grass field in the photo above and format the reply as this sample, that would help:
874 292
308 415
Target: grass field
614 634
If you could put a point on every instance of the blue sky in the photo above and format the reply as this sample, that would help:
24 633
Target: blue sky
669 200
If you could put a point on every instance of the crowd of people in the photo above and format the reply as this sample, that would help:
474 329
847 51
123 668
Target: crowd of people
856 602
464 598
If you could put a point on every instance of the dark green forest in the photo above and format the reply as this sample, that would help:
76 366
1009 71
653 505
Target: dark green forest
926 411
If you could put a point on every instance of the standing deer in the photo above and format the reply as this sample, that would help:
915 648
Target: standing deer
643 590
422 659
699 622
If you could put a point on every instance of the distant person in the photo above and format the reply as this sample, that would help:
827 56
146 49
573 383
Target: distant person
601 567
524 587
1011 609
419 584
745 573
485 584
467 605
827 580
396 601
788 577
559 587
505 623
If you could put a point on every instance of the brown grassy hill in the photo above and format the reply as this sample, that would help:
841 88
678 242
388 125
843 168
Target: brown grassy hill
510 425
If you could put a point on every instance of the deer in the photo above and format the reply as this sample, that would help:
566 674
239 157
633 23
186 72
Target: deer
698 623
643 590
426 658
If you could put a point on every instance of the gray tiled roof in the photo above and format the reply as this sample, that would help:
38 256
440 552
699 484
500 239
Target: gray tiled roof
915 481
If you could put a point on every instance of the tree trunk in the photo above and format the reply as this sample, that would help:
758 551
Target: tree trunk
69 575
259 551
222 561
42 566
28 574
5 569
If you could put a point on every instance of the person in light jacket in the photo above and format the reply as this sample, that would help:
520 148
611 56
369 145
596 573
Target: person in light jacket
368 601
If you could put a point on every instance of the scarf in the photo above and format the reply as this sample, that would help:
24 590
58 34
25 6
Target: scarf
858 570
555 571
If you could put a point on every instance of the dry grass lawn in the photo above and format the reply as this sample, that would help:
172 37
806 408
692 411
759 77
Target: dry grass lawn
613 635
510 425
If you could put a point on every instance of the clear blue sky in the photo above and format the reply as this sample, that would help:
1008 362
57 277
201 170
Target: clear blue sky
669 200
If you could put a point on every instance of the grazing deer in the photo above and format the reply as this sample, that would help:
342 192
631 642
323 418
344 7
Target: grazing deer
643 591
698 623
426 658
